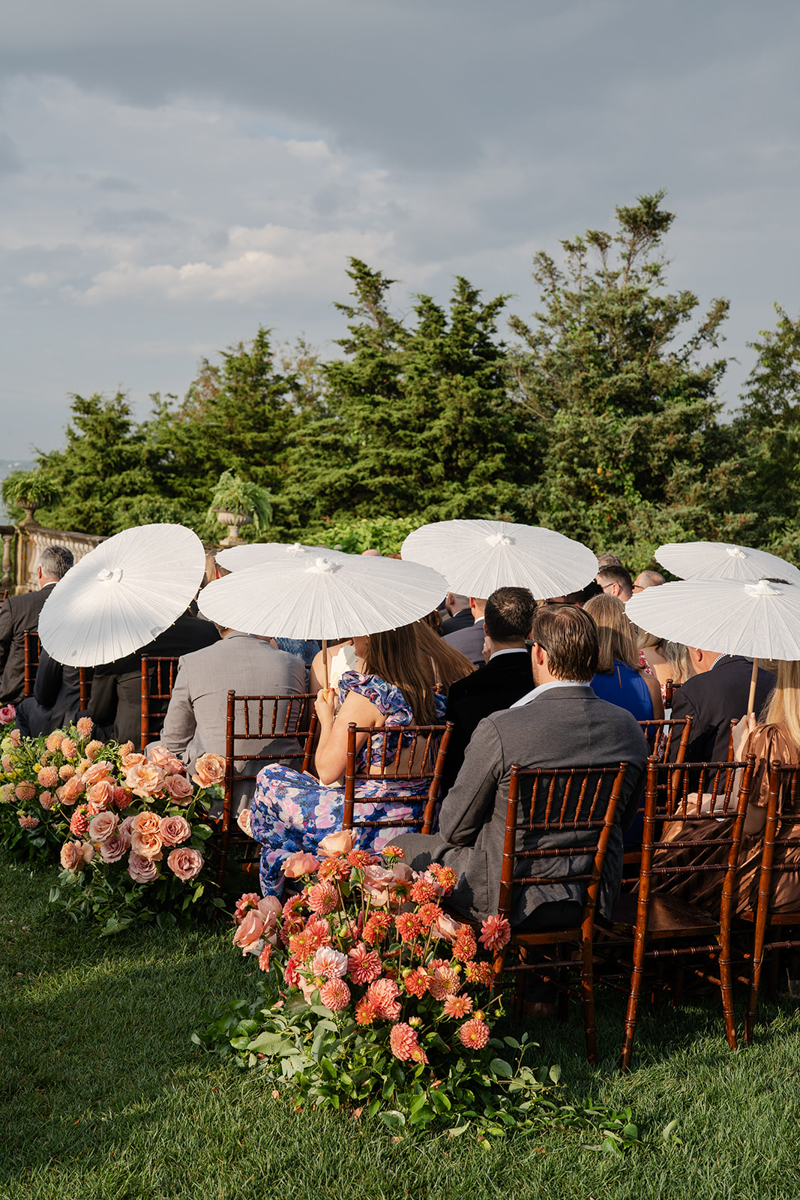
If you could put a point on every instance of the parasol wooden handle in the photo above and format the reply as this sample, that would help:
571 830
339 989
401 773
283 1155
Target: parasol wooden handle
753 679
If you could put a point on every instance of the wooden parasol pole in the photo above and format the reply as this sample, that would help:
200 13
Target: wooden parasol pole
753 678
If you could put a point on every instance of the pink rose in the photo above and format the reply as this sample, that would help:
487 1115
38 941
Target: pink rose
97 772
248 936
167 761
179 788
299 864
141 870
209 770
337 843
174 830
85 727
146 822
145 780
100 794
147 845
102 826
132 760
269 904
113 848
446 927
71 857
124 830
72 789
185 863
7 714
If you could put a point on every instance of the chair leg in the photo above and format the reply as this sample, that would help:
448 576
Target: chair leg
726 990
587 991
752 996
633 1003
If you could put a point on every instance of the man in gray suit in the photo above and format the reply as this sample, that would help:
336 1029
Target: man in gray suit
561 723
196 717
469 639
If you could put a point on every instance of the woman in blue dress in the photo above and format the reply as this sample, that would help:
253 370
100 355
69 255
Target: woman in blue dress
291 812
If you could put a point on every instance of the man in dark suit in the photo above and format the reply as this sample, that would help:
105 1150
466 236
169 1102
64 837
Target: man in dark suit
506 677
460 614
714 696
20 614
469 639
115 704
55 701
559 724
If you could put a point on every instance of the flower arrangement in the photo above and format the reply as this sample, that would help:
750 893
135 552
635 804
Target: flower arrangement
128 831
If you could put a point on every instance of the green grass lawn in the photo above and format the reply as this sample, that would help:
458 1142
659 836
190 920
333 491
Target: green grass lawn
103 1095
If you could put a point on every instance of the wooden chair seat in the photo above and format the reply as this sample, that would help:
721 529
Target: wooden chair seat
668 916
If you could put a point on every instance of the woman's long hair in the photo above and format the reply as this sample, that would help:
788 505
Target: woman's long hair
675 654
449 664
396 656
783 705
614 633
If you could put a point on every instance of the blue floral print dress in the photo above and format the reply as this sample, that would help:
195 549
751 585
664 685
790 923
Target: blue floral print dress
292 812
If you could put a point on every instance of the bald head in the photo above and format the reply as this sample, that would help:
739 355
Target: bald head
647 579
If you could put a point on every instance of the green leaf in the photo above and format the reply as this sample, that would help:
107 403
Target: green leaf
555 1073
393 1118
268 1043
500 1067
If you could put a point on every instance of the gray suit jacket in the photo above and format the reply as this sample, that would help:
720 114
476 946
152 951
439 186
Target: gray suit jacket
196 717
469 641
562 727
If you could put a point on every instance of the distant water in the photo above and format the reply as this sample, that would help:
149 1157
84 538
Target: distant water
8 465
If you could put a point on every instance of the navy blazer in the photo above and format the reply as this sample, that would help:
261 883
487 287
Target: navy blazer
713 700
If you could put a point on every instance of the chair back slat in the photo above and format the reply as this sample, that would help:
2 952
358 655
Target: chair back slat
33 651
406 755
661 737
158 680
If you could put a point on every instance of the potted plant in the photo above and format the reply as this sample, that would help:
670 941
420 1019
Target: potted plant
236 502
29 490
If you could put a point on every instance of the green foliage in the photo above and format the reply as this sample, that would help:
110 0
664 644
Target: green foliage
235 495
386 534
29 489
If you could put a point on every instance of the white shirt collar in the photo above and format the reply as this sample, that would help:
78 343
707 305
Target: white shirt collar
545 687
510 650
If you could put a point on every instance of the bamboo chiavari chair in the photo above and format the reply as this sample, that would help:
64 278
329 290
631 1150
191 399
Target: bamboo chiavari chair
780 854
561 806
158 680
660 923
420 755
33 651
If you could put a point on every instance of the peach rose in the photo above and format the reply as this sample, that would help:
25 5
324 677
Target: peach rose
126 748
146 822
97 772
132 760
249 935
71 790
102 826
93 749
445 927
209 770
167 761
113 847
185 863
141 870
299 864
100 794
270 904
179 788
174 830
87 852
145 780
340 842
148 845
71 857
124 831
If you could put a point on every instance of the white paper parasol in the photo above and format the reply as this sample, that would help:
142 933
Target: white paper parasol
236 558
723 560
122 594
724 616
476 557
329 596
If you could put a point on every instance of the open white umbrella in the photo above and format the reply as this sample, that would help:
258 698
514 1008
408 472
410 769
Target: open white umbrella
122 594
477 557
329 596
723 560
252 554
724 616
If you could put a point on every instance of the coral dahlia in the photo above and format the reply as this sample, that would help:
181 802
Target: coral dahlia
363 965
474 1034
495 933
403 1041
457 1006
382 995
335 994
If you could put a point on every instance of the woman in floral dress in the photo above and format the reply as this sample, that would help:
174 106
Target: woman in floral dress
291 812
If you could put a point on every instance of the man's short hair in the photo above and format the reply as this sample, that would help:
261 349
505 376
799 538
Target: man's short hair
55 561
508 615
609 560
650 579
569 635
619 575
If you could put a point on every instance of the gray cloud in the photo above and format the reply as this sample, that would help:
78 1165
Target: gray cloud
125 220
10 159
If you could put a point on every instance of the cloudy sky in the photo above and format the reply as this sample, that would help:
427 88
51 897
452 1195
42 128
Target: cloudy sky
173 174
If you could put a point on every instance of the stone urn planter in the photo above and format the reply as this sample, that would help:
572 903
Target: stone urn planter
234 522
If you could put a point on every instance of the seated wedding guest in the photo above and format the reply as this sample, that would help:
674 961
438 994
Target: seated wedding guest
292 812
460 613
585 593
619 678
609 560
506 676
115 701
647 579
776 737
196 719
333 649
559 724
20 614
469 639
449 665
56 699
615 581
716 694
666 660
